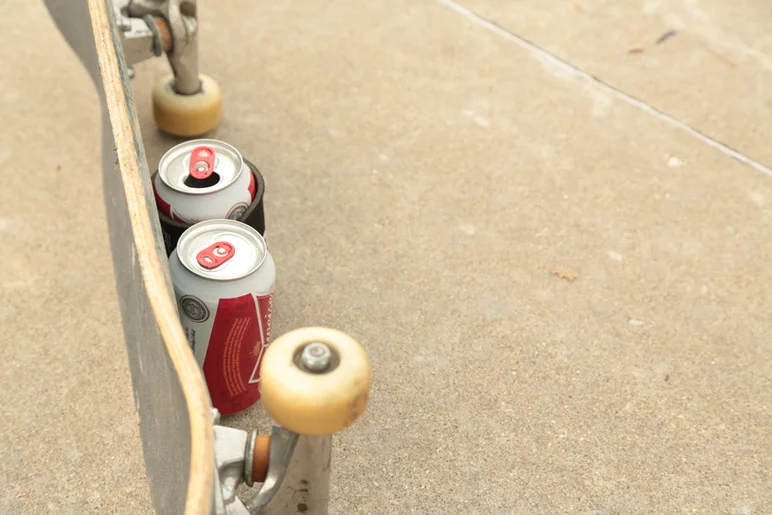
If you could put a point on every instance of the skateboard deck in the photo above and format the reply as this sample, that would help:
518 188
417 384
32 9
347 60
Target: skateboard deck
170 394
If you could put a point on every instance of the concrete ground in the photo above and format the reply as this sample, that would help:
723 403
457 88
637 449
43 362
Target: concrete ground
550 231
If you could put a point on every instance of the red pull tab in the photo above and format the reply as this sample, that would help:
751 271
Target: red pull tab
201 162
215 255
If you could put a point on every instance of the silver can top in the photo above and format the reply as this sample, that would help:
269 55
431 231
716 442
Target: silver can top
221 250
200 160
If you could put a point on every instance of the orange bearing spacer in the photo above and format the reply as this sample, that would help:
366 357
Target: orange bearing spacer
261 458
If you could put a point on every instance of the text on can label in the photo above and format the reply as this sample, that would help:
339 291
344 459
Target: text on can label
215 255
201 162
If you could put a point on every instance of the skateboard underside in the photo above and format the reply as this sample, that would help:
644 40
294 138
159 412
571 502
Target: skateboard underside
169 391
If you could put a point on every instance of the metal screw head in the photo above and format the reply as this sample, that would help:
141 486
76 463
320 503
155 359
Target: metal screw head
316 357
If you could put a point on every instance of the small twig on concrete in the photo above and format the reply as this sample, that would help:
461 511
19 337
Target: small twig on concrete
667 35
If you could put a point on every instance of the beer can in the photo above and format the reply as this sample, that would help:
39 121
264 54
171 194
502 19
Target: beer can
223 278
253 217
203 179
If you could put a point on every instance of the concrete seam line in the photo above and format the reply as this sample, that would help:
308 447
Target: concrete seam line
573 71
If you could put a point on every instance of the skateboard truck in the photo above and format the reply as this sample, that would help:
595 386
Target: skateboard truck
314 382
185 103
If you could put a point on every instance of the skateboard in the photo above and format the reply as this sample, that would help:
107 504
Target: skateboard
315 381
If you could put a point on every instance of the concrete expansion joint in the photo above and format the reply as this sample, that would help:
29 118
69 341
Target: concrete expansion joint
577 73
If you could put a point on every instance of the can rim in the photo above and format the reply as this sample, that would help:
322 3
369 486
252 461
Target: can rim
178 151
235 226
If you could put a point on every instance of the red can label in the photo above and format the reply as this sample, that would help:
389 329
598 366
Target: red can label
240 334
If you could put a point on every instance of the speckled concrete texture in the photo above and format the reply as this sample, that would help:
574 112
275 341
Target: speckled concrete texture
564 298
68 436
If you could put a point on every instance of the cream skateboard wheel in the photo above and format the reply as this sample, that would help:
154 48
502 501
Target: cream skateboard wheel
315 380
187 115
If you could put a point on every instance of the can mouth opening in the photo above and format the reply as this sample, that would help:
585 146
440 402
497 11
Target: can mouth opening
215 166
208 182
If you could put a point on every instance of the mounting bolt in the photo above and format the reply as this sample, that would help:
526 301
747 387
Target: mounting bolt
316 357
